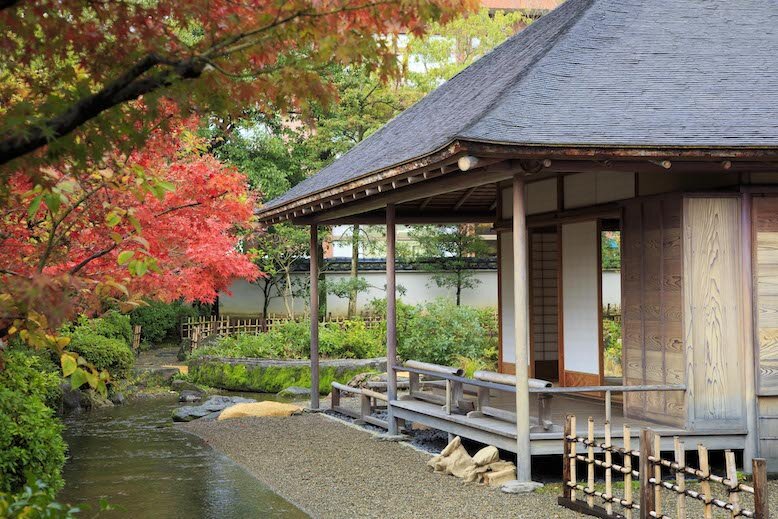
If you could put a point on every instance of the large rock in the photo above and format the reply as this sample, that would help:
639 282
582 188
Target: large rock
73 399
295 392
266 408
212 405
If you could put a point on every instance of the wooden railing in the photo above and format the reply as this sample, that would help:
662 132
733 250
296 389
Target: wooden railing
485 381
227 325
649 475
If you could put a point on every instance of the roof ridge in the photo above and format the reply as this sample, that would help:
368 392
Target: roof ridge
549 44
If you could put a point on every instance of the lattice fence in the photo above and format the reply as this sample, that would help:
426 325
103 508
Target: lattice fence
587 495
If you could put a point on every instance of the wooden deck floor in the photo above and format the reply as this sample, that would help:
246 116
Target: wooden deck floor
502 434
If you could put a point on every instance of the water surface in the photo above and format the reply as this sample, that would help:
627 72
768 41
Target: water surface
132 456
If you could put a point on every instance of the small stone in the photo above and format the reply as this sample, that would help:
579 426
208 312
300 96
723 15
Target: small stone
294 392
190 396
520 487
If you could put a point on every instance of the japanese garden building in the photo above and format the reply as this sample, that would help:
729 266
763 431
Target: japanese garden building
654 117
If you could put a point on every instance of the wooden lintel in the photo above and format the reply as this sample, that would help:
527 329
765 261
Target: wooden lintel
406 218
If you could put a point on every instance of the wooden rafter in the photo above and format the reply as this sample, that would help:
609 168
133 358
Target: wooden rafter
464 197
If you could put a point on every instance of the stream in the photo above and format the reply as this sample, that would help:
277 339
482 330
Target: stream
133 457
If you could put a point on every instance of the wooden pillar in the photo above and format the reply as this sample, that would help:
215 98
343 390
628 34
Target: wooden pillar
314 268
391 316
750 336
521 331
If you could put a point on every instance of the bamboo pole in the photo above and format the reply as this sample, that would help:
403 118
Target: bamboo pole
729 459
573 463
314 273
566 461
702 452
680 477
608 474
628 471
521 331
658 475
590 463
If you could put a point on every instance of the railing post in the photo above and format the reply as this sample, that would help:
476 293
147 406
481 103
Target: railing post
761 502
646 488
608 406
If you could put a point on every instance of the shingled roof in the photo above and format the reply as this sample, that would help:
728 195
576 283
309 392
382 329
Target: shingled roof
599 73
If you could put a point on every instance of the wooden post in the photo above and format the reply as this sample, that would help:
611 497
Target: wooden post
761 502
136 339
566 461
590 463
702 451
646 488
314 272
521 331
680 477
391 318
628 471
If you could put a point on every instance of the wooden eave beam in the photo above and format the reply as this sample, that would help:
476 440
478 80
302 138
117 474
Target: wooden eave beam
464 197
447 184
408 218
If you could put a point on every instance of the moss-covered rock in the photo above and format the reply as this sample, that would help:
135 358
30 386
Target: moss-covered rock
272 376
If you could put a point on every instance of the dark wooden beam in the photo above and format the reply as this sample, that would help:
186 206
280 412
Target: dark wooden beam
464 197
407 218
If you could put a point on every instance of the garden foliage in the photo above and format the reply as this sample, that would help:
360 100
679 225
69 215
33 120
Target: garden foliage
31 445
104 342
159 320
438 332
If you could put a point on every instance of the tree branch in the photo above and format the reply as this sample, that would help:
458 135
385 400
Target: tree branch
185 206
127 87
99 254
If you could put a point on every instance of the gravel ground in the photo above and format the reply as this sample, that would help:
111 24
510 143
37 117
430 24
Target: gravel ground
331 469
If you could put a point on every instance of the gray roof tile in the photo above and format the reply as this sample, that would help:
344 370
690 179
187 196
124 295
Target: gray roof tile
679 73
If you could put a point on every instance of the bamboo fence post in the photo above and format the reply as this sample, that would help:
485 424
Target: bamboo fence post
729 458
702 452
566 458
658 475
646 489
573 459
608 475
590 463
761 503
628 472
680 477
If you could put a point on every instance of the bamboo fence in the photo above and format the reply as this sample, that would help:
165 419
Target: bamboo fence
584 497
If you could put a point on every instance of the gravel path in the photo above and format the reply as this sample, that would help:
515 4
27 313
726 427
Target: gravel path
330 469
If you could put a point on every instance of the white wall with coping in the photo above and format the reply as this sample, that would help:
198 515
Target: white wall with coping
247 299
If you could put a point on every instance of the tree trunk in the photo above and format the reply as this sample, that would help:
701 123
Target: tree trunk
266 303
352 297
322 282
288 296
459 287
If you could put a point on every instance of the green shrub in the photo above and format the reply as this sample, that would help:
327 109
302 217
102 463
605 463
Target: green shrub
292 340
159 321
31 445
112 324
441 332
36 502
103 352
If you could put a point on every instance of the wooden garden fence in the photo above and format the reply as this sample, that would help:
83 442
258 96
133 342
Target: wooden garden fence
227 325
648 471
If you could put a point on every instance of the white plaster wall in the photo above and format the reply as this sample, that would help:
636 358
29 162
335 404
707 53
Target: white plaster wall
611 288
580 277
247 299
